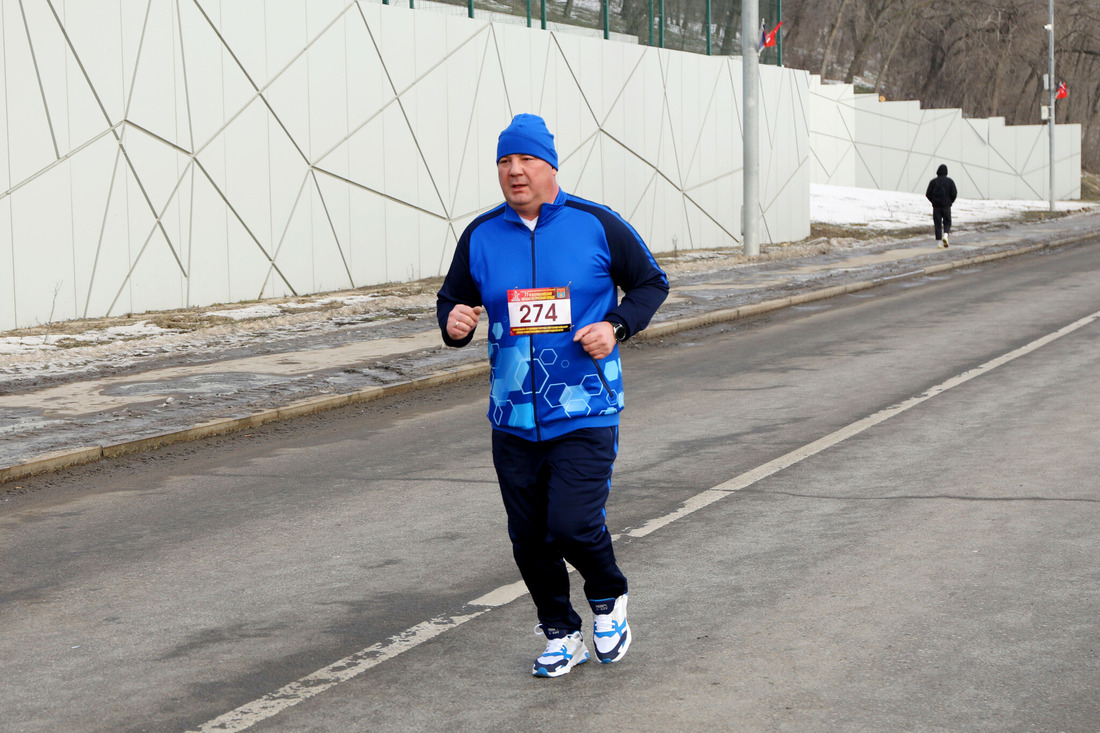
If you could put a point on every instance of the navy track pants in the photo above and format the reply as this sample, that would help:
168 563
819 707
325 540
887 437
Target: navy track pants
941 220
554 492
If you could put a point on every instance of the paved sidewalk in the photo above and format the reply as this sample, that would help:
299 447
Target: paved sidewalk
162 400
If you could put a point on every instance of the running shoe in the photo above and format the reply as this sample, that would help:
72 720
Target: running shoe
563 652
612 635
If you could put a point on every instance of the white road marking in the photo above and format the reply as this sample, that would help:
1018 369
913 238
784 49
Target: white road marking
354 665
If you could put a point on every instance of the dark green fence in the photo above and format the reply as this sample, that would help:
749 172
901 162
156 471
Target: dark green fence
710 27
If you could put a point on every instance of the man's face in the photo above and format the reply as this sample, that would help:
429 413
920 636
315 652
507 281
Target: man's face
527 182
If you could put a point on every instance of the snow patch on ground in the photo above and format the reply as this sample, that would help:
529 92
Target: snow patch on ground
886 210
23 344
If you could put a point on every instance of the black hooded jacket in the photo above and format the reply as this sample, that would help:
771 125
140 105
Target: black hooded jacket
941 189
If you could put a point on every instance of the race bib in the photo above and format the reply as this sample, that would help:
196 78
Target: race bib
539 310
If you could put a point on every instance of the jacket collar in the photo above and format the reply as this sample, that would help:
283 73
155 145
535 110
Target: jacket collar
548 211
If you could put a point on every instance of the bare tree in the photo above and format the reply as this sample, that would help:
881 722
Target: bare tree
901 24
838 19
867 23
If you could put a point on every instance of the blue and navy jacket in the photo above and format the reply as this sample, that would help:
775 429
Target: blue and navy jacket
545 385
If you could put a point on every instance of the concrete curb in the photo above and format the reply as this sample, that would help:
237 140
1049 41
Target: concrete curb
58 460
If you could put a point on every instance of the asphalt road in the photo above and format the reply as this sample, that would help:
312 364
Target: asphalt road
874 513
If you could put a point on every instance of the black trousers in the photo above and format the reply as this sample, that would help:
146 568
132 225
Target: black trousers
554 492
941 217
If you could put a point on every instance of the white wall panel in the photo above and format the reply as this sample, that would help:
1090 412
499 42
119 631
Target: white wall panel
359 220
288 174
403 246
524 74
155 275
973 175
950 130
5 145
367 87
1002 182
158 100
43 256
106 37
115 243
586 170
176 220
868 144
158 167
9 296
459 91
284 96
830 116
1032 153
293 256
217 88
276 147
422 107
436 257
475 186
562 101
1006 161
73 115
897 146
629 125
328 81
238 164
1067 155
264 35
396 44
923 147
788 168
332 268
90 188
29 144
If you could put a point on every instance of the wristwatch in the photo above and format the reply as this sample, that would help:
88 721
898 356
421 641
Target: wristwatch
620 330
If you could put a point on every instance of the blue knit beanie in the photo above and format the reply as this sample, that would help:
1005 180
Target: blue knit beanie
527 135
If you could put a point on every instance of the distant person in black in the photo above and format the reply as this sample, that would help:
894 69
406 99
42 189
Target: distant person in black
941 192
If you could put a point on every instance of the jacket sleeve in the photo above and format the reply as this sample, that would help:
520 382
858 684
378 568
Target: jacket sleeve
928 192
634 270
459 287
952 191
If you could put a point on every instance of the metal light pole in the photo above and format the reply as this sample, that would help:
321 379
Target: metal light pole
779 36
1050 120
661 27
708 27
750 83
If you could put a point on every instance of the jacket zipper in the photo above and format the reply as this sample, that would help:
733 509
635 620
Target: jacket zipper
531 354
531 350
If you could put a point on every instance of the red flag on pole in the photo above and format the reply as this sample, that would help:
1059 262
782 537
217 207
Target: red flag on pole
1062 92
769 37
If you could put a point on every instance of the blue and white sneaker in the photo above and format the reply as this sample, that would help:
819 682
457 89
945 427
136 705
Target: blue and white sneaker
612 635
563 652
